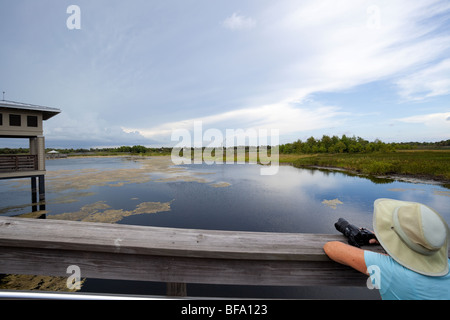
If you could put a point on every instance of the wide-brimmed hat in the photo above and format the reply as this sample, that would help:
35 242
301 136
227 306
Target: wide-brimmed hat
413 234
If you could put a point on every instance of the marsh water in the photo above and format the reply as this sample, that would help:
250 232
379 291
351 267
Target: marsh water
151 191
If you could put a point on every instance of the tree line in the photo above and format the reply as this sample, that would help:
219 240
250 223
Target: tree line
137 149
312 145
354 144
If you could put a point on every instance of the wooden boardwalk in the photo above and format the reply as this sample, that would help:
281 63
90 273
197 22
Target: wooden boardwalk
174 256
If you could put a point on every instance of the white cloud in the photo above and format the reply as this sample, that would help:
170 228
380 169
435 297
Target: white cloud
298 49
89 128
310 47
335 47
433 126
429 82
286 117
238 22
431 120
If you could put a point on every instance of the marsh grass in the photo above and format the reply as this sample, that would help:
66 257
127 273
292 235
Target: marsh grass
420 163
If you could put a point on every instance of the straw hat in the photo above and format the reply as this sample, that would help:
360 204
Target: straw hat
413 234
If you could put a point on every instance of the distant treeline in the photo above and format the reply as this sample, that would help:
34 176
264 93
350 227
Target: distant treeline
134 149
312 145
137 149
123 149
14 150
354 144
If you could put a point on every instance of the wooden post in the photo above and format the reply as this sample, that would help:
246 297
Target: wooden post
33 194
176 289
41 192
40 145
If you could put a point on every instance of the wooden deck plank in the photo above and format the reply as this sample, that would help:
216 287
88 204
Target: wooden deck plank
100 237
113 266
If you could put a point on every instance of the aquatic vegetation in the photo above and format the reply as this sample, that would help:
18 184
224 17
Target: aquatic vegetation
86 178
442 193
159 169
332 203
100 211
32 282
220 184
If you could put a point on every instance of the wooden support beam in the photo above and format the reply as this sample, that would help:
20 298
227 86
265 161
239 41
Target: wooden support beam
176 289
34 194
41 179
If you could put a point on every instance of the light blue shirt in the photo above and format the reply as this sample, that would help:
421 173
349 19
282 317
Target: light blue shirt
396 282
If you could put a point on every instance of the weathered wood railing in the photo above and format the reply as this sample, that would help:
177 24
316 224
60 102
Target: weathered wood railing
10 163
112 251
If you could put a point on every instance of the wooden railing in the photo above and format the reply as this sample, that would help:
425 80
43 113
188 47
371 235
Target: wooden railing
9 163
175 256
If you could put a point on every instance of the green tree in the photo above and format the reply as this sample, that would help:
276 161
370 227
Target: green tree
326 143
138 149
340 147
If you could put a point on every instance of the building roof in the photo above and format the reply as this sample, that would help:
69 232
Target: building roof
47 112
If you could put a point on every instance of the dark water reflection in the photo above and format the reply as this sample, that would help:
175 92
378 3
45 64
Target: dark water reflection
294 200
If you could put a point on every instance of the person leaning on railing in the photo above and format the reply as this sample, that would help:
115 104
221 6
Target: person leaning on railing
416 239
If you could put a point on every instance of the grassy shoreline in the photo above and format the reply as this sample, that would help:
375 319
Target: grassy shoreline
421 164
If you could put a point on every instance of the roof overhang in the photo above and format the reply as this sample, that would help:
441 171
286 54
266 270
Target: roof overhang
47 112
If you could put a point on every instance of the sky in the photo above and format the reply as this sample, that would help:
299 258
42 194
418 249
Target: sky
134 72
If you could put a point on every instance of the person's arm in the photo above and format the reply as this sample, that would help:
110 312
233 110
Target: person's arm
347 255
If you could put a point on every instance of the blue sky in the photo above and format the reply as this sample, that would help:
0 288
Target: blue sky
138 70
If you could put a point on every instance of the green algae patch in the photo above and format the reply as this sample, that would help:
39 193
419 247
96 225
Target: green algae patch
158 169
332 203
220 184
100 211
